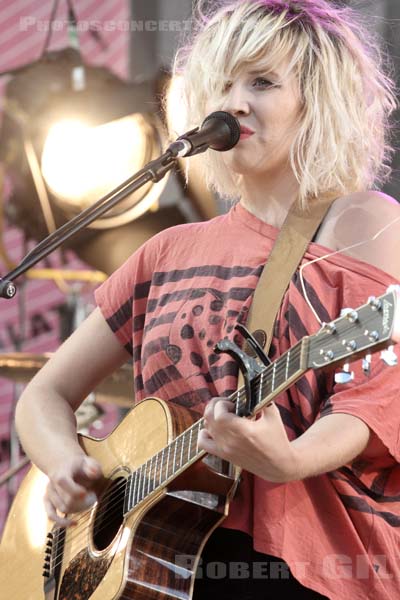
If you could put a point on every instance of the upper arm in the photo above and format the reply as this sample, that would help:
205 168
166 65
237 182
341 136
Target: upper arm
331 442
370 222
90 354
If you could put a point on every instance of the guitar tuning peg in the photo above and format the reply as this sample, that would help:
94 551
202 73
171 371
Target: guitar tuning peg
389 357
375 303
350 313
366 364
344 376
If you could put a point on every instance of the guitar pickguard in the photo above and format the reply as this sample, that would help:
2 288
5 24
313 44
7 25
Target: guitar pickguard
83 576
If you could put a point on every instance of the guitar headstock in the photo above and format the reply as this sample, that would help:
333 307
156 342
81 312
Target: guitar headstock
369 328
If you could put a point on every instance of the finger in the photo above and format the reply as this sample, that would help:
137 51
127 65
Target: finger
270 412
54 516
54 507
206 442
77 505
68 503
223 408
204 433
216 408
209 410
68 488
58 501
91 467
50 509
88 474
87 471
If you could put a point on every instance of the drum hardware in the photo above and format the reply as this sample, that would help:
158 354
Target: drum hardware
116 389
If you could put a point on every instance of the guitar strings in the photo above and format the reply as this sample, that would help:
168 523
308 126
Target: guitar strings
115 493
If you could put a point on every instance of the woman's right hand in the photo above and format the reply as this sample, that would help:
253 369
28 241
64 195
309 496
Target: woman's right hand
71 488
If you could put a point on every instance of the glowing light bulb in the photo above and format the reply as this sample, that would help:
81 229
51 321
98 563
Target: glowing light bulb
81 164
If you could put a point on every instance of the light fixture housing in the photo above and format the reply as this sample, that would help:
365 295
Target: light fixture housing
89 160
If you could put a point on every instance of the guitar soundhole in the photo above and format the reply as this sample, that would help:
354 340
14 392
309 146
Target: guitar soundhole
109 514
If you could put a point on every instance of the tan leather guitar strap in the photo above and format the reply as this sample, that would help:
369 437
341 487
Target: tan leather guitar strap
297 231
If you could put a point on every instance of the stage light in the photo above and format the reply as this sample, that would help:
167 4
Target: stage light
98 158
80 164
64 148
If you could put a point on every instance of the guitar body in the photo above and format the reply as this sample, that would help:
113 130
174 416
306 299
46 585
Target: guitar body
135 556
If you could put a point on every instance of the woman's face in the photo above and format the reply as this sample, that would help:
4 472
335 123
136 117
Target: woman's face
267 105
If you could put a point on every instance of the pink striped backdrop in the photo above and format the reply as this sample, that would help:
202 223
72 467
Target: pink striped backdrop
22 35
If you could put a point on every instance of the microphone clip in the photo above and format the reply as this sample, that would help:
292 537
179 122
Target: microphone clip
183 147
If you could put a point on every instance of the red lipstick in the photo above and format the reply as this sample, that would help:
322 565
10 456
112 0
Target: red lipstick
245 132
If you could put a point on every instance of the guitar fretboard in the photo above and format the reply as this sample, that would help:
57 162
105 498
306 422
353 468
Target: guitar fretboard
183 451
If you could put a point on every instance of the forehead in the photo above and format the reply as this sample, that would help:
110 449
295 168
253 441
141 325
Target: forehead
267 49
281 70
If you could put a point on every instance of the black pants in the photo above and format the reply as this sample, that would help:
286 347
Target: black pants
231 569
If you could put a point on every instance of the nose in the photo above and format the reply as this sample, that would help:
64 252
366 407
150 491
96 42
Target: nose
236 101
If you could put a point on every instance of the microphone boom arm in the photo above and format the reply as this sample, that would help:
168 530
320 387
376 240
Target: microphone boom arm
220 131
154 171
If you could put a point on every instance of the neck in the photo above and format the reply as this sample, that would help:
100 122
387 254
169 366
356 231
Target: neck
270 200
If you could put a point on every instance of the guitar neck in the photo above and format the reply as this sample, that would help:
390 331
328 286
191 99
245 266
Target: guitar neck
183 451
276 377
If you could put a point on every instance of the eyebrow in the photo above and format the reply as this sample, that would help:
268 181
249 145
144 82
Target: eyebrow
265 72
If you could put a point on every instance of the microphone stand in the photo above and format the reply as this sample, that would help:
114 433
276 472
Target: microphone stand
154 171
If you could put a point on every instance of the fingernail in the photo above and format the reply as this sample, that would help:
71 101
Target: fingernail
90 499
90 470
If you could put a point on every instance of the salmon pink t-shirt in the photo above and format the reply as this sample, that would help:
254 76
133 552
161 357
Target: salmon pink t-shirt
183 291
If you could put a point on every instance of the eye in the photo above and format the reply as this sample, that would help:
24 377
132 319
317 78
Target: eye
227 86
261 82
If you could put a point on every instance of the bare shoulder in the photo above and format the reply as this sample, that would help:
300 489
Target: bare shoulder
370 222
379 205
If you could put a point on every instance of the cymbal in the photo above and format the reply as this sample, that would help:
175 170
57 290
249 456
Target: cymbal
117 388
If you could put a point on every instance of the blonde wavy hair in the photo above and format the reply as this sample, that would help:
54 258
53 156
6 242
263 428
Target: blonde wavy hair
342 141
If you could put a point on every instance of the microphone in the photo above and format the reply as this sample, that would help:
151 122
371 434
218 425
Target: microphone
219 131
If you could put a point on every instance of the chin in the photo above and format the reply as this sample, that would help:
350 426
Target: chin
240 168
236 162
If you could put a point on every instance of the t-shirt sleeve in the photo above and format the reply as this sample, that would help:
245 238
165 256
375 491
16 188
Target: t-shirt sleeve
374 398
122 298
374 395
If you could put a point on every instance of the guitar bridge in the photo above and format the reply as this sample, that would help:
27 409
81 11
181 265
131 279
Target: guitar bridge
48 556
52 559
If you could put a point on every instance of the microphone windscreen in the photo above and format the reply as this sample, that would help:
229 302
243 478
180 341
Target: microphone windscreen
229 130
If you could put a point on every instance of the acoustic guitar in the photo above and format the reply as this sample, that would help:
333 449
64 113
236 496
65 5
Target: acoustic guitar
130 544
